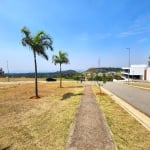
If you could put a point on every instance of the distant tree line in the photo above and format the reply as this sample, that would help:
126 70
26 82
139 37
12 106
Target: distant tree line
68 74
105 77
104 69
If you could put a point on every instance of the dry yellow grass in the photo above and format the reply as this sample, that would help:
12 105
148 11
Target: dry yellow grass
127 132
11 79
6 79
141 84
37 123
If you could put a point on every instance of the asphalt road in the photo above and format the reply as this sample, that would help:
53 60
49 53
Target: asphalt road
138 98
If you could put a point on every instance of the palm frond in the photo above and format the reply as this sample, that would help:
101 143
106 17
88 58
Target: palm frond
55 59
38 43
62 58
26 31
47 41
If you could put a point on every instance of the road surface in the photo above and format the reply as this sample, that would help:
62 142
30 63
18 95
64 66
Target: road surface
138 98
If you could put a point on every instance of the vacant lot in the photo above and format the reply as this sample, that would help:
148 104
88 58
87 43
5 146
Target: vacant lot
44 123
6 79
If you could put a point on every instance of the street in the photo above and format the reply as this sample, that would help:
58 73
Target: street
138 98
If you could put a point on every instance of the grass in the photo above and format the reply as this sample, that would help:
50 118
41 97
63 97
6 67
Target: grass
141 84
127 133
29 124
12 79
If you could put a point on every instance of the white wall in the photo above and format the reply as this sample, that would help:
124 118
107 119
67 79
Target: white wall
137 69
148 74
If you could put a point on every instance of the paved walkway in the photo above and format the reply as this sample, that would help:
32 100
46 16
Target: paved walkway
89 131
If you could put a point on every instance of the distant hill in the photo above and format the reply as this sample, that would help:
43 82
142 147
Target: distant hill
66 73
103 70
43 75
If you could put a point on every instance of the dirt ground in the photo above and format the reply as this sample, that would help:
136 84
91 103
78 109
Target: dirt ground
89 131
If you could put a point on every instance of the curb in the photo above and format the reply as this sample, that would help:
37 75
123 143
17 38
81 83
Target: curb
139 116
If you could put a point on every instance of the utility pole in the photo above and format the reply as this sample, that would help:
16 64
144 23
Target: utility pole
99 65
8 70
99 62
128 65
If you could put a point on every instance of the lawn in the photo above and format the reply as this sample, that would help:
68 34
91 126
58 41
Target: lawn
12 79
141 84
29 124
127 132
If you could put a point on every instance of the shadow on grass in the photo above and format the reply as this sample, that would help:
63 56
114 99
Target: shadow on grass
6 148
78 86
68 95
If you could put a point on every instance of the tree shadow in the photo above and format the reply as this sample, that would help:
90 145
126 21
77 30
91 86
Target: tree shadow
68 95
6 148
78 86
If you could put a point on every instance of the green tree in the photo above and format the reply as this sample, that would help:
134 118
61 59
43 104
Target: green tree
62 58
104 78
38 44
149 62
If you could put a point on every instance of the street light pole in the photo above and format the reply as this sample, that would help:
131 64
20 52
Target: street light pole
8 71
128 65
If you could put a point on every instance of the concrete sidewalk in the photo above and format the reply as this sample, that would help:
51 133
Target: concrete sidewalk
89 131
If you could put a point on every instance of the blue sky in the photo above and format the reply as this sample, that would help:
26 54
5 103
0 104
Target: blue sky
88 30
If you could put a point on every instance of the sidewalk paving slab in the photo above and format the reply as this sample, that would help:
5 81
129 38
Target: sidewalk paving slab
89 130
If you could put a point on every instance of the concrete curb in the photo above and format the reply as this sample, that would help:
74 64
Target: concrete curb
140 117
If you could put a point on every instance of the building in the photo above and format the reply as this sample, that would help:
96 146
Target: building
1 72
139 72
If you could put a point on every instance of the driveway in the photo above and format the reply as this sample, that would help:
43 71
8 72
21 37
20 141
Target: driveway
138 98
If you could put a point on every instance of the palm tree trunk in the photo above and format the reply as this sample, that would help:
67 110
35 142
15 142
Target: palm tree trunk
60 76
36 83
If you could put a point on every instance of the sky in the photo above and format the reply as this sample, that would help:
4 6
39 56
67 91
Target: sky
94 33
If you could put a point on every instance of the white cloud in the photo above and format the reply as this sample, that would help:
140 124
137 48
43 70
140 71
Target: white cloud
102 36
139 26
83 36
130 33
142 40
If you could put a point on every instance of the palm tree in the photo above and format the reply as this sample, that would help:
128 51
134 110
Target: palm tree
38 44
62 58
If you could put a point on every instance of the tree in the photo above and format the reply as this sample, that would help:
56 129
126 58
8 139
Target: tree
62 58
104 78
38 44
149 62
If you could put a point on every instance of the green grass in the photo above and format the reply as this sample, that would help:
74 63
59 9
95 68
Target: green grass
43 124
128 133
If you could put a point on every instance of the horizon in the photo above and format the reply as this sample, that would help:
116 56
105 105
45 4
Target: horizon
54 71
93 33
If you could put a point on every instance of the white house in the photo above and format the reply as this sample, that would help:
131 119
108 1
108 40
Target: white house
140 72
148 74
